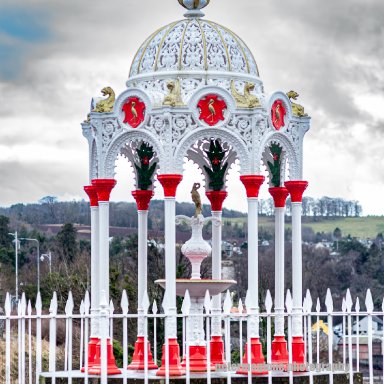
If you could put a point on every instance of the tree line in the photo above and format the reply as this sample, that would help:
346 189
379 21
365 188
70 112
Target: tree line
122 214
324 207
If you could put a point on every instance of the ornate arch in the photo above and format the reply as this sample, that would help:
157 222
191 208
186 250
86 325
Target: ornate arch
119 143
288 149
218 133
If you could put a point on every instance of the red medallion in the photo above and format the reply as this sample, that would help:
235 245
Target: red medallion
134 110
212 109
278 114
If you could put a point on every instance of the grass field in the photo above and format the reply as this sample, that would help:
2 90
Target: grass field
361 227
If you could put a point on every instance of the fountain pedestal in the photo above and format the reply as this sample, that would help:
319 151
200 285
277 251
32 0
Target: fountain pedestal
196 250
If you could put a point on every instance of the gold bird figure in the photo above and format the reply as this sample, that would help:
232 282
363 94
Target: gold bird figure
212 109
134 112
196 198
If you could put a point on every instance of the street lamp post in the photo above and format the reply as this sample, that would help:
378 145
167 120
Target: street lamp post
37 259
49 257
16 263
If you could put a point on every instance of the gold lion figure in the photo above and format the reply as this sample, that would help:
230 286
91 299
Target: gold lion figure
297 109
107 104
247 100
196 198
174 97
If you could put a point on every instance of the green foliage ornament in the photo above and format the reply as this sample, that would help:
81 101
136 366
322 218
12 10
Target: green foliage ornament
144 170
217 171
275 168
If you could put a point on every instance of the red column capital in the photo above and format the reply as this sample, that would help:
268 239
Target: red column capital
279 195
90 190
296 188
252 184
103 188
143 198
170 184
217 199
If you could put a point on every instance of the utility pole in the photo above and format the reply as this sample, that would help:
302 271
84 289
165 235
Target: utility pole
16 263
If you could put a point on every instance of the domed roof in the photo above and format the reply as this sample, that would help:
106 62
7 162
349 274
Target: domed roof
194 45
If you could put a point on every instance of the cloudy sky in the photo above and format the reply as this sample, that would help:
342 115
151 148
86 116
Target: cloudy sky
56 55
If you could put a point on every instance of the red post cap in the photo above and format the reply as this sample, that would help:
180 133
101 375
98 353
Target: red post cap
279 195
296 188
90 190
170 184
252 184
143 199
217 199
103 188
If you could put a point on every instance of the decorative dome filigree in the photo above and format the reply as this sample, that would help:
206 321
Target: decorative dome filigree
194 45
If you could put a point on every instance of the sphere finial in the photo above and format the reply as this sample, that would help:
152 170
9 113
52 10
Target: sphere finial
194 7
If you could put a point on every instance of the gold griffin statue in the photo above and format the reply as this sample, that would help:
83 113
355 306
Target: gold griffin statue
247 100
196 198
106 105
174 97
297 109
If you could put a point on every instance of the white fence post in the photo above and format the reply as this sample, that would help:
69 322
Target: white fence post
329 305
124 304
369 306
349 303
52 335
7 309
38 307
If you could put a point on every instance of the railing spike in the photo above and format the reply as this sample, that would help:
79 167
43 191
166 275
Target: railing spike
227 303
38 304
111 307
343 305
124 304
87 303
53 306
348 301
81 309
69 304
207 302
240 306
288 301
29 308
318 306
329 301
357 306
154 307
369 301
186 306
268 302
23 304
309 300
7 304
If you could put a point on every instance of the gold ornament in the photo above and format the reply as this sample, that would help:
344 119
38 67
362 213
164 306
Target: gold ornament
297 109
196 198
196 4
106 105
247 100
174 97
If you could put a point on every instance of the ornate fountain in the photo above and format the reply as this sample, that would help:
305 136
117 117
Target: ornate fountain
196 249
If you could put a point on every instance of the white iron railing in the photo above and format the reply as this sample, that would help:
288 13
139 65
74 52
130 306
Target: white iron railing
30 349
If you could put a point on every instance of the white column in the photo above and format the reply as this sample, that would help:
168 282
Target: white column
142 265
95 271
253 264
297 288
104 248
170 263
216 270
279 271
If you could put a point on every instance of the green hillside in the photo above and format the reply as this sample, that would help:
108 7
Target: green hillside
361 227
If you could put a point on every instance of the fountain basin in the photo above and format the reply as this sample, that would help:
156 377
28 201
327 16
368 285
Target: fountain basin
198 287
